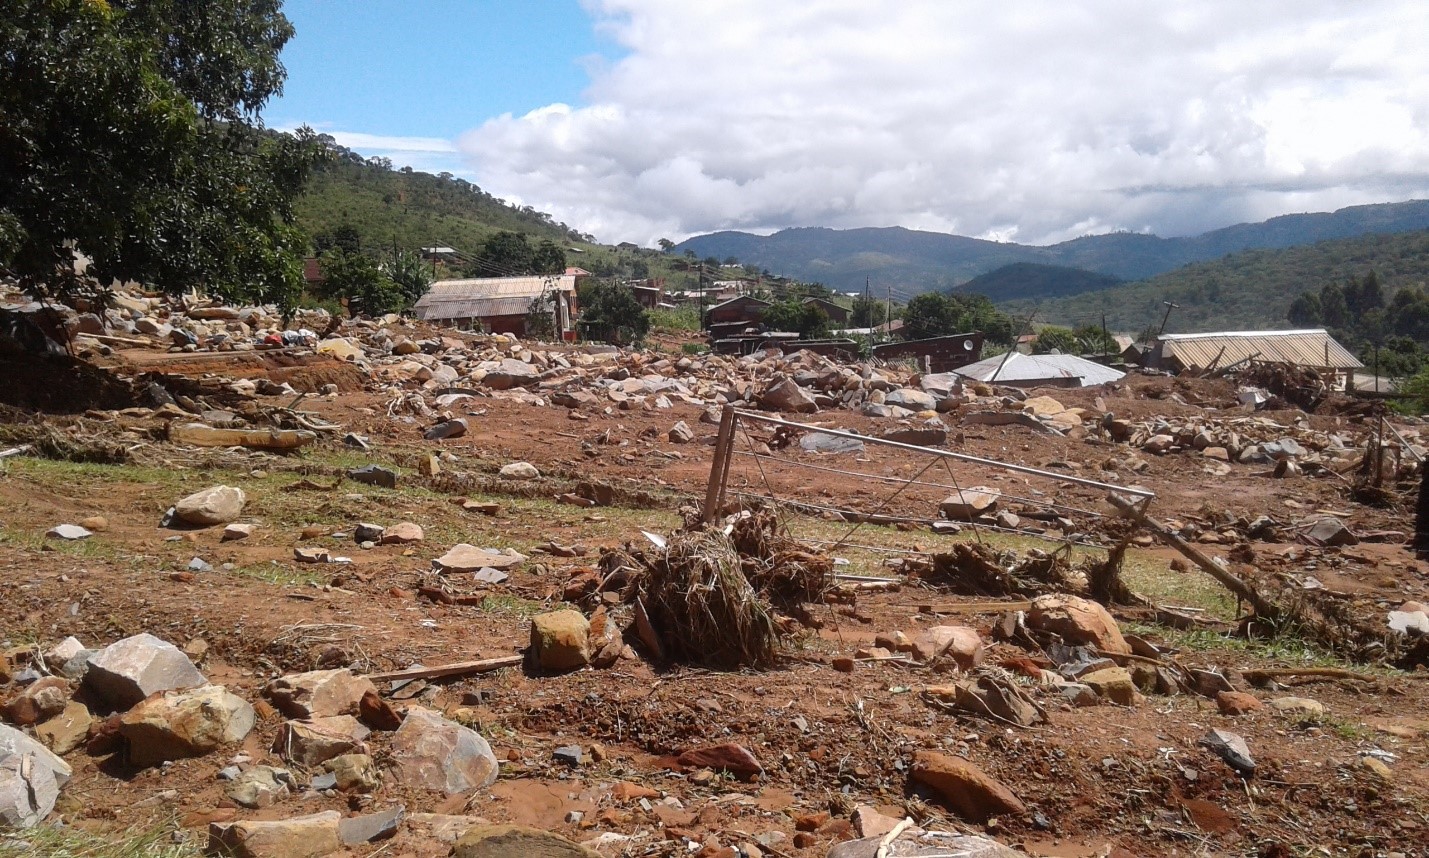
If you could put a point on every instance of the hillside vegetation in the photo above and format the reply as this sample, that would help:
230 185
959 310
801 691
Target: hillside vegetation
1027 280
910 261
1250 290
412 209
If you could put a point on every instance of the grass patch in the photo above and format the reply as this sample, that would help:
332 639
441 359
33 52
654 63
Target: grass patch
1287 648
277 573
56 842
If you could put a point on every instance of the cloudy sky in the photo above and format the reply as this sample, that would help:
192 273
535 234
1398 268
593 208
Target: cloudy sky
1024 121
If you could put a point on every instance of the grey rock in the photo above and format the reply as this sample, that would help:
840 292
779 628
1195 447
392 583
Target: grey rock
371 827
1232 749
568 754
125 672
374 475
365 532
681 433
68 531
298 837
519 471
788 396
1333 532
932 844
913 400
450 429
31 778
260 786
822 442
921 436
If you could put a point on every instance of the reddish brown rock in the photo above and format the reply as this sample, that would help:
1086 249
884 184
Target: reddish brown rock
729 757
41 701
969 791
1237 703
377 713
1078 621
960 645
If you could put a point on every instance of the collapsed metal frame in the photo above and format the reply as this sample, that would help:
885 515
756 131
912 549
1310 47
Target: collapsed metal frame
1132 501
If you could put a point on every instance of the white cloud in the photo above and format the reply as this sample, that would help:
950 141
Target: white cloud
1035 121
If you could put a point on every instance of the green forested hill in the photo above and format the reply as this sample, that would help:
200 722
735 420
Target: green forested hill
413 209
1249 290
1028 280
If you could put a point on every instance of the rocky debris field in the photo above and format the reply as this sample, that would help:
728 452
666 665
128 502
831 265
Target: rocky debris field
373 588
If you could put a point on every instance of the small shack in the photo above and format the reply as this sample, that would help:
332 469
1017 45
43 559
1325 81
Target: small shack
935 354
499 305
1019 370
742 310
837 314
1312 348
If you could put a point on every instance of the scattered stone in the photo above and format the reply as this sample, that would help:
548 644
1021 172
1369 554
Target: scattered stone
366 532
823 442
319 693
729 757
519 471
436 754
1302 707
968 790
913 400
788 396
1078 695
68 531
64 651
870 823
1237 703
924 436
1078 621
374 475
468 558
214 505
560 640
125 672
312 554
235 532
961 644
31 777
313 742
260 786
450 429
402 533
67 730
429 466
1405 621
299 837
968 504
1112 683
916 844
568 754
354 773
1332 532
377 713
508 841
371 827
39 701
180 724
1232 749
681 433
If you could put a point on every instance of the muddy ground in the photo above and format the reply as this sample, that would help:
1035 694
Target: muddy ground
1104 780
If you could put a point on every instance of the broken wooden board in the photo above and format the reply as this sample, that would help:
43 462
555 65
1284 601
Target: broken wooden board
200 435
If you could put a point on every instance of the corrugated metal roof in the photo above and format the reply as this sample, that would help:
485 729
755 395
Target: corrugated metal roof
1314 348
487 296
1021 367
473 308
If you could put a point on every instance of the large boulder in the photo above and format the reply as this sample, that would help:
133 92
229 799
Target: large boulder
967 504
214 505
180 724
788 396
972 793
509 373
30 779
469 558
436 754
1078 621
127 671
560 640
319 693
506 841
940 844
299 837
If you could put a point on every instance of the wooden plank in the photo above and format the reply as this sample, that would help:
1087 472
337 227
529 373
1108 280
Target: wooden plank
460 668
719 468
200 435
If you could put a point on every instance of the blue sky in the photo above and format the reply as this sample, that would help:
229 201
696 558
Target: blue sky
1035 121
430 69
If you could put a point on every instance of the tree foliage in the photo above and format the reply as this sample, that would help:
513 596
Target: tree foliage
511 254
809 320
868 312
1357 314
131 136
935 315
610 312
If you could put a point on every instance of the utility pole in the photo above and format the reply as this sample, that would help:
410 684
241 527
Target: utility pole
1106 338
888 310
1164 319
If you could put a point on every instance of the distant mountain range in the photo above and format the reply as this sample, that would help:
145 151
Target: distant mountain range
911 261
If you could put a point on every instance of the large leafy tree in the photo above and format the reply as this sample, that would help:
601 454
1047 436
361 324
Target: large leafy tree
810 321
611 312
131 135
